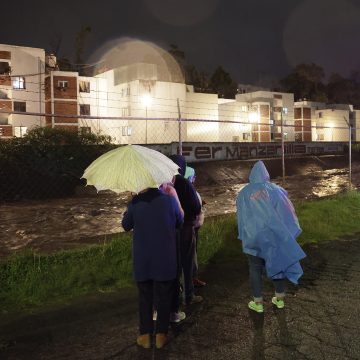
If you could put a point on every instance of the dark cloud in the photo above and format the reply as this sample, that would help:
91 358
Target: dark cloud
252 39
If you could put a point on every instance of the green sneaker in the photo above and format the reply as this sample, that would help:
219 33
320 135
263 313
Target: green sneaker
279 303
259 308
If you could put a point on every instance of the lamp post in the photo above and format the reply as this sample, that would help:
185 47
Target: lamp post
146 100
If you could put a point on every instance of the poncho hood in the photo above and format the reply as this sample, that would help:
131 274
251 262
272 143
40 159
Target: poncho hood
259 173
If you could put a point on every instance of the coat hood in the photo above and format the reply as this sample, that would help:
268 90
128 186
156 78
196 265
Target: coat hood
189 173
259 173
180 161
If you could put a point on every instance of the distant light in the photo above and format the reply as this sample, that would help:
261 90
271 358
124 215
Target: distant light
254 117
146 99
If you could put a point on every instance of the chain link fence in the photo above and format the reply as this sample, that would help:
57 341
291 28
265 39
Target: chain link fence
45 204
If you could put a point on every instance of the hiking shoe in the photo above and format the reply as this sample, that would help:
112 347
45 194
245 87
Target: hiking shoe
258 307
144 341
161 340
176 317
154 315
196 299
198 283
279 303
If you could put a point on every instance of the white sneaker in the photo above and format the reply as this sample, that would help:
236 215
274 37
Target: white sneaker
176 317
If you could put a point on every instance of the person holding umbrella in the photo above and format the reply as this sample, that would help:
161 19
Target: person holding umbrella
154 217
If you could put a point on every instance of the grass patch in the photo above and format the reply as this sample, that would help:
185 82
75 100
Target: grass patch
329 218
28 280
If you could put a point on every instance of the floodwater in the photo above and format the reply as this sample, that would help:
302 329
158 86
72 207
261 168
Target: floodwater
52 225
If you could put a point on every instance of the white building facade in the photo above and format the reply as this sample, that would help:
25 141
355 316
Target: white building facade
22 74
141 103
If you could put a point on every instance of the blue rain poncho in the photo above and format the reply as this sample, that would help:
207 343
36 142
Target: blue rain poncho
268 225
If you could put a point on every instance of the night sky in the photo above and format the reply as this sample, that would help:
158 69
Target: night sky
254 40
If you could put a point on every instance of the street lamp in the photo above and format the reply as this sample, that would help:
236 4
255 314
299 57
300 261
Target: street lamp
146 100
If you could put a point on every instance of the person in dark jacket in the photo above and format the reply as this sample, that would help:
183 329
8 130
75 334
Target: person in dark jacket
191 205
154 217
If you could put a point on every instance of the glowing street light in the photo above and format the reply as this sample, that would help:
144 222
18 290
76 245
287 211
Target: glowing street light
254 117
146 100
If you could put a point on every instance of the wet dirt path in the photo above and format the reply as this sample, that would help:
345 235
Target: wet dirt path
52 225
314 324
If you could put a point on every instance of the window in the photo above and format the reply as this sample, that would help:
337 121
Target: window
166 125
84 86
244 108
320 137
63 84
320 115
84 109
246 136
126 111
126 130
5 68
84 130
18 83
20 106
20 131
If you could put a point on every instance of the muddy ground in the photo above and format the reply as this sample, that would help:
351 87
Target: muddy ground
53 225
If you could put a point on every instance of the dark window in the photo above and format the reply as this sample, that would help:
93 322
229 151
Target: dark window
5 68
84 86
84 130
297 113
20 106
63 84
84 109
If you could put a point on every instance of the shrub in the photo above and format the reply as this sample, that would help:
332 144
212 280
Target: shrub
47 162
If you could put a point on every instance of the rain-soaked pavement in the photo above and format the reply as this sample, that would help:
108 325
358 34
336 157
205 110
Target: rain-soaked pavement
52 225
321 319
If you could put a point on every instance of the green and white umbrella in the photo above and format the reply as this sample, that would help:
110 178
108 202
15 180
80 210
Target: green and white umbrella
130 168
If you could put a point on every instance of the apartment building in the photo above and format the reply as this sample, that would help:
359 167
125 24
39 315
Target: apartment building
147 103
22 75
316 121
257 116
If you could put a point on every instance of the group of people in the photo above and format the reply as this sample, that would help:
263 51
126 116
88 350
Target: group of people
164 250
165 223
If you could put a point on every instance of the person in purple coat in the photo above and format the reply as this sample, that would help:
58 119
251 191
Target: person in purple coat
154 217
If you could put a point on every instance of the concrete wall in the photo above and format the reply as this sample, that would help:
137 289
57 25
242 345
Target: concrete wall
195 151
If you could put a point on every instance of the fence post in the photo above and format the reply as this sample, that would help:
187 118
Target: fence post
282 148
179 123
350 128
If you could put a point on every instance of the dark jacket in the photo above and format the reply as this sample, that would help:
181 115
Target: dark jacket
186 191
154 216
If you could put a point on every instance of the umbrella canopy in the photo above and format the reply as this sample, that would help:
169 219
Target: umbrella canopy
130 168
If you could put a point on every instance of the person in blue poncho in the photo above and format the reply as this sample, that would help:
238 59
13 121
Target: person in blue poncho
268 228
